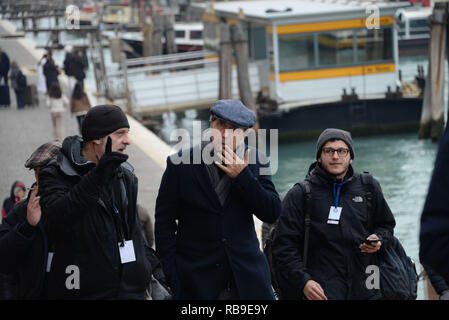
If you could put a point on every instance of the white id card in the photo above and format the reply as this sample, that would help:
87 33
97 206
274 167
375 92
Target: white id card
334 215
127 252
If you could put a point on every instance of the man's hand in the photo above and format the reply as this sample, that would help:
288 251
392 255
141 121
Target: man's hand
313 291
34 212
109 162
371 248
233 164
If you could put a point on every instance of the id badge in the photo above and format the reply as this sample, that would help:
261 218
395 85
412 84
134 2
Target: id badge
334 215
127 253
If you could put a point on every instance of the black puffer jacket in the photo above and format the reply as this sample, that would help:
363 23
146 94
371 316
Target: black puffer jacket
334 259
83 228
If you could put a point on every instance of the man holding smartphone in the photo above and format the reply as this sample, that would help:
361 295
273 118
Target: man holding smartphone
88 200
348 225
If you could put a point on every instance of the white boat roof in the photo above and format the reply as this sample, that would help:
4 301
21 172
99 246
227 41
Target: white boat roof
421 13
301 9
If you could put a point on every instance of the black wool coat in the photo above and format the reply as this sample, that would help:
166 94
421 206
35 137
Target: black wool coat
198 239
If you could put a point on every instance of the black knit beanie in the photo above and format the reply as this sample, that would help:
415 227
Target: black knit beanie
334 134
102 120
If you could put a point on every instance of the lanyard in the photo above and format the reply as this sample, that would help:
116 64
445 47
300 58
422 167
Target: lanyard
337 193
122 236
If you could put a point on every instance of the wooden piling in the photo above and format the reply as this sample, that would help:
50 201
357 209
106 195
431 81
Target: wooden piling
225 63
435 81
241 54
169 31
158 23
147 39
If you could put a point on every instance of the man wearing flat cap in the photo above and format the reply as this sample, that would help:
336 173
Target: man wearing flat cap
23 240
204 227
346 210
88 199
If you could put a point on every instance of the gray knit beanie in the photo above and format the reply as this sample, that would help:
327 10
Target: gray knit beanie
334 134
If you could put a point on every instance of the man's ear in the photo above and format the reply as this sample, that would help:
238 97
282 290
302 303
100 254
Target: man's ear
97 141
350 161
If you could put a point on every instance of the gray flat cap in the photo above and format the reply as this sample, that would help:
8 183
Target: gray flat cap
234 112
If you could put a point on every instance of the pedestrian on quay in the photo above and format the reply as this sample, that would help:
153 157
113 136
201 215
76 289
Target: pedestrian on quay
18 191
50 70
68 67
23 239
78 68
18 83
57 102
41 82
79 104
4 67
204 227
88 200
434 233
344 233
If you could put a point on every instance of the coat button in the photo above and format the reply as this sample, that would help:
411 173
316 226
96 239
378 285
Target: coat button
217 265
223 240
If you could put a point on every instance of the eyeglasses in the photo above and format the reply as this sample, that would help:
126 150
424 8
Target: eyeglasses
329 152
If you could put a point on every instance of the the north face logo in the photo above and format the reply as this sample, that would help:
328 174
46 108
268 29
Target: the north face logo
357 199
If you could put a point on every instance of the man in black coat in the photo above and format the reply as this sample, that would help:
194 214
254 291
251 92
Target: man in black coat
204 227
88 199
434 234
4 66
338 256
23 240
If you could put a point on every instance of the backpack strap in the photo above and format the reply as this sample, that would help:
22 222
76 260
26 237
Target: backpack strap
305 186
368 183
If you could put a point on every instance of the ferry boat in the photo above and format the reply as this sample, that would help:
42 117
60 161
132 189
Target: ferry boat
414 30
322 64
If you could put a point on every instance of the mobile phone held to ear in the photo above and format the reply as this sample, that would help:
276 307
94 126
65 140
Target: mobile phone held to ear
371 240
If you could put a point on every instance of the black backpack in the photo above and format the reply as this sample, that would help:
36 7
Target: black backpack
283 290
398 276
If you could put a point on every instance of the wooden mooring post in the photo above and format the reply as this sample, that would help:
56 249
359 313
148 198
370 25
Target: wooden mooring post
241 55
432 118
225 63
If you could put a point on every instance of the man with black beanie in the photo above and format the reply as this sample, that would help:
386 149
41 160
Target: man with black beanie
88 199
349 221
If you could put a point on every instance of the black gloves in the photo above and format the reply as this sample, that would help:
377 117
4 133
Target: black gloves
109 162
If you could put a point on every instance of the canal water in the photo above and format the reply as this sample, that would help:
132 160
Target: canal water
401 163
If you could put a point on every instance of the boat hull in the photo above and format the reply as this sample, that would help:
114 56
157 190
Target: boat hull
371 116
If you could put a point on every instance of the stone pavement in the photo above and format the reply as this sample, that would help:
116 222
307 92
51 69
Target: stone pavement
22 131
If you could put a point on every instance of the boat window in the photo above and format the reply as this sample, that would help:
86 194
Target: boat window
336 47
195 34
374 45
296 52
180 34
259 43
419 27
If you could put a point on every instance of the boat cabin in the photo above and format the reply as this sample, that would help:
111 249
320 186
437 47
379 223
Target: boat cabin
310 51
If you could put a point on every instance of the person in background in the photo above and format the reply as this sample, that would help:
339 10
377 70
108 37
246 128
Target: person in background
57 103
18 82
41 83
51 71
23 239
79 104
147 224
4 66
18 191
